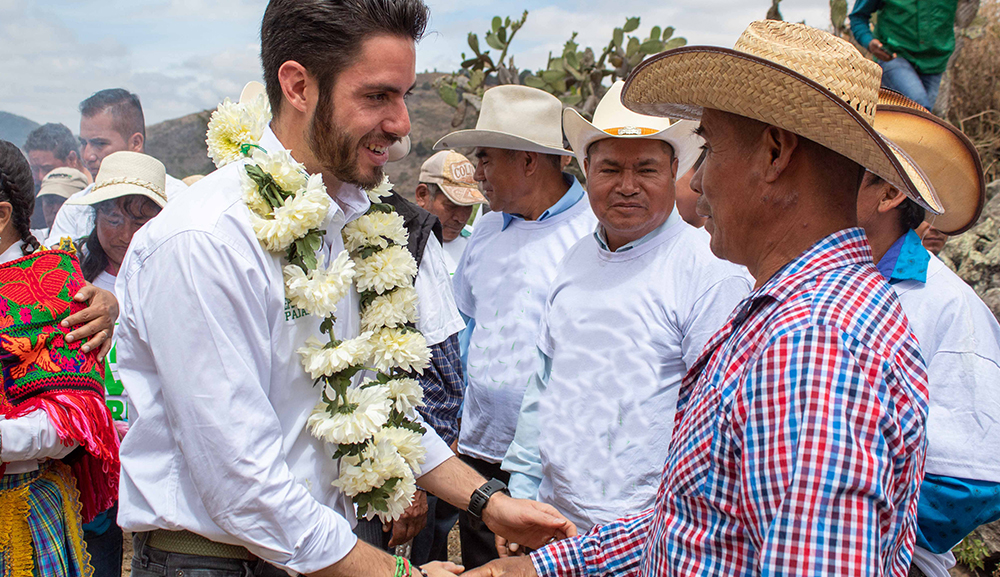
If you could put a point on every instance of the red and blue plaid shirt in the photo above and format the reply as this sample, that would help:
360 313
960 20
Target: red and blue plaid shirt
798 444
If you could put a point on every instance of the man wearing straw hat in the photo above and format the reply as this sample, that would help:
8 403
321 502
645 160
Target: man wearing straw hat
504 275
612 366
959 337
798 443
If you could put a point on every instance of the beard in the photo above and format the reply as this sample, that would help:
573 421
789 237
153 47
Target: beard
337 150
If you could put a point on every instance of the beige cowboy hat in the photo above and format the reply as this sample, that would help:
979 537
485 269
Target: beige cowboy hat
125 173
514 117
943 152
612 120
63 182
454 174
788 75
397 151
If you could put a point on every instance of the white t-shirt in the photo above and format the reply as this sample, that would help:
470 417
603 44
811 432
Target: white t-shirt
438 315
77 220
502 282
453 252
105 281
621 330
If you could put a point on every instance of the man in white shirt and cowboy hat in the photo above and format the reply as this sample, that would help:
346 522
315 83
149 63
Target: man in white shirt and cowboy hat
220 472
606 391
798 443
447 189
958 335
539 212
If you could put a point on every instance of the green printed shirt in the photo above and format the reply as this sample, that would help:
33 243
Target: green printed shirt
921 31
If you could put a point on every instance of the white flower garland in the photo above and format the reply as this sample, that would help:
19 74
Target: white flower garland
372 423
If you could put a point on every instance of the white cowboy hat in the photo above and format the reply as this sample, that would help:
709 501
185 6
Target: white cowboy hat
613 120
788 75
514 117
125 173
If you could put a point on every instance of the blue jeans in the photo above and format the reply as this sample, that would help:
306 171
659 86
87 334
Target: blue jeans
150 562
106 548
899 75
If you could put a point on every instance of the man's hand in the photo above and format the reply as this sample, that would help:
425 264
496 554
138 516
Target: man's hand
876 48
525 522
507 548
411 522
511 567
98 319
441 569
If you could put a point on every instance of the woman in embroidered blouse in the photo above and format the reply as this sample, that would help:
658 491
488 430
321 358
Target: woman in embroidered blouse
58 449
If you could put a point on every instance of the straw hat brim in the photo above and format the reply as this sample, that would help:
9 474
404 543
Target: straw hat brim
946 156
581 133
474 138
113 191
680 83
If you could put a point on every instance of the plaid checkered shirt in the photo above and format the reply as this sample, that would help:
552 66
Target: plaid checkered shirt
798 445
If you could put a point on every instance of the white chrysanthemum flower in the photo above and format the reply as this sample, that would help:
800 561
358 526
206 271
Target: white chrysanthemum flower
251 195
407 443
234 124
301 213
320 291
396 348
406 395
400 499
377 463
386 270
375 229
319 360
371 411
384 188
287 172
391 309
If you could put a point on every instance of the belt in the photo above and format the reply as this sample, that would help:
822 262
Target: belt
188 543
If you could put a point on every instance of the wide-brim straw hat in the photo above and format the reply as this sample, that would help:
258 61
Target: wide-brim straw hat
514 117
784 74
613 120
126 173
946 155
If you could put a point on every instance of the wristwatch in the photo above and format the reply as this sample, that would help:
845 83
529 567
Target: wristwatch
482 495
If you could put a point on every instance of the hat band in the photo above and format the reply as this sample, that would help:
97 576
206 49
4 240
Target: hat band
630 131
133 181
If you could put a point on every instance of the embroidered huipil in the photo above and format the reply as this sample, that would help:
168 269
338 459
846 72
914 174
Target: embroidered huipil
798 445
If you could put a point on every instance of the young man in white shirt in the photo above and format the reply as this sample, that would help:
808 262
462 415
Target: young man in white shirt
958 336
111 121
219 465
448 190
629 311
505 272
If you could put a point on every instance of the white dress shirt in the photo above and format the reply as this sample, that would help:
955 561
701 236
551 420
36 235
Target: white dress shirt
26 441
206 350
438 316
77 220
619 332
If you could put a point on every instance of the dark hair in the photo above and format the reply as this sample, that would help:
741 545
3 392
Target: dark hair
124 107
94 258
911 214
18 188
55 138
325 36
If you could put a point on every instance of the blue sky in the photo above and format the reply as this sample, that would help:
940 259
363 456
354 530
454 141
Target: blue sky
182 56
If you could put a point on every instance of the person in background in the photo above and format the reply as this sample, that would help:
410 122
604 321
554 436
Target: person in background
120 209
48 147
932 238
687 198
57 187
447 188
506 269
912 41
611 366
58 447
958 336
798 443
110 121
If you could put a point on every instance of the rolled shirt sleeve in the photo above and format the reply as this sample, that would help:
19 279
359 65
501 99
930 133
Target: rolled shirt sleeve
31 438
199 305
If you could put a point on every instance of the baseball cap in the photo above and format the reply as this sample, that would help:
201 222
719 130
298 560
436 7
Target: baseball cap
453 173
63 182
